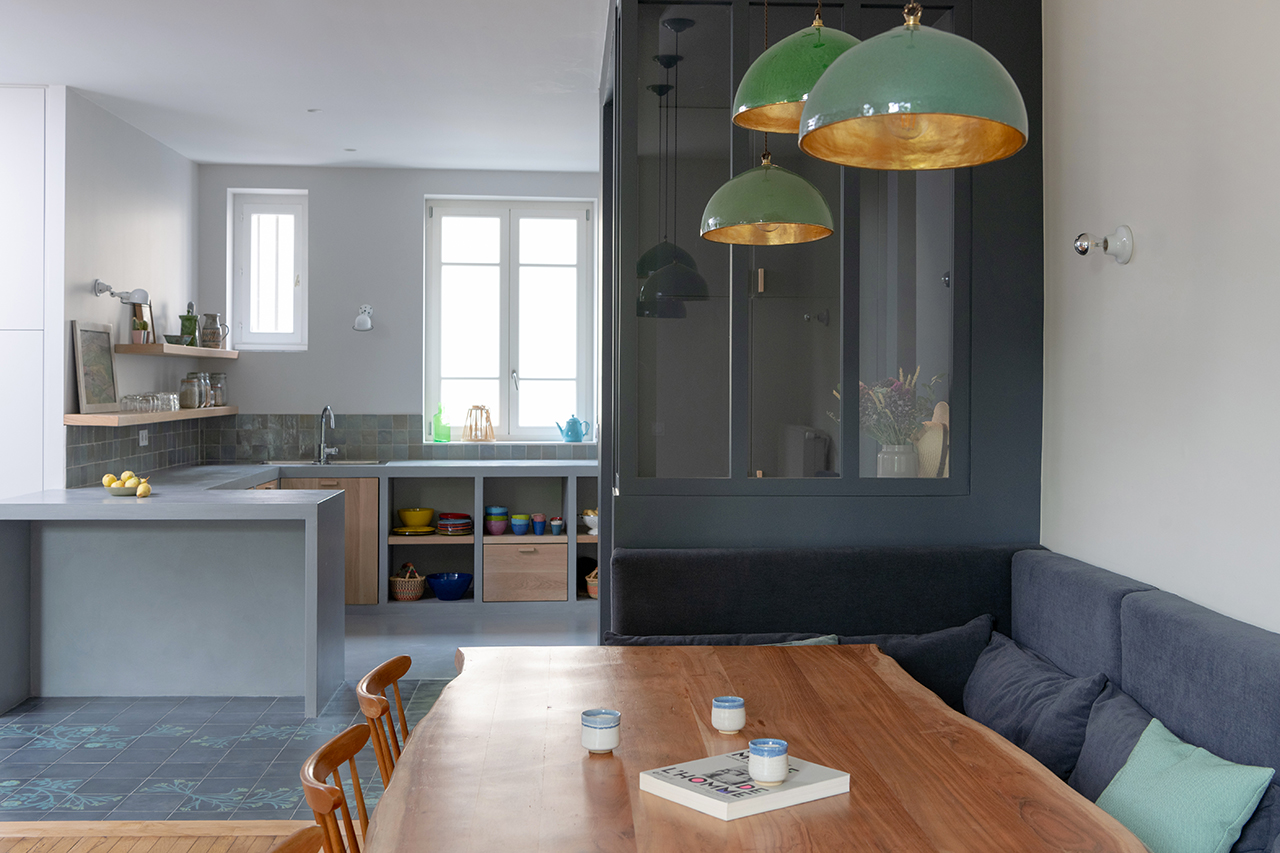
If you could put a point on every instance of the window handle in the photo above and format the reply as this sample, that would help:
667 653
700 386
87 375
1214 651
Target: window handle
515 378
297 280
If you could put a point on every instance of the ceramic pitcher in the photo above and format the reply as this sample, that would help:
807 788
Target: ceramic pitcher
213 332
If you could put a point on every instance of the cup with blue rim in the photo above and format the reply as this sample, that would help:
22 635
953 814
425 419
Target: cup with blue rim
767 762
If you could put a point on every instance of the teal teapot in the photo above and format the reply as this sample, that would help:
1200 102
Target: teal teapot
573 429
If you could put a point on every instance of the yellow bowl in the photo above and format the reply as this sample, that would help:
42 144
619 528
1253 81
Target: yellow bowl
416 517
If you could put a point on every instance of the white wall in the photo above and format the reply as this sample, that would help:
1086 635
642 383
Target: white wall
130 221
365 246
1161 458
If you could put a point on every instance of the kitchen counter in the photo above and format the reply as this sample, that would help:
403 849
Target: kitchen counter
205 588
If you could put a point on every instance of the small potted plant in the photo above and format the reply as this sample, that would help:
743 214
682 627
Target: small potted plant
893 411
140 331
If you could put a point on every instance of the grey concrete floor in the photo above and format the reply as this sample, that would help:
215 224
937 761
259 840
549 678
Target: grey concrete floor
430 631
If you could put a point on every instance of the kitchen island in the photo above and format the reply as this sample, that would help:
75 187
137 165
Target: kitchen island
205 588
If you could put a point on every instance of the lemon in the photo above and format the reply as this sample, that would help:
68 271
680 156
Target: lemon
108 479
126 476
144 490
132 482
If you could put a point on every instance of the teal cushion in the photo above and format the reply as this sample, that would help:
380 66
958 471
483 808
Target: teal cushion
1179 798
824 640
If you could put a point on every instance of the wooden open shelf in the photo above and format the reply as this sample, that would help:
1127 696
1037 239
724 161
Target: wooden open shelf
526 538
431 539
119 419
176 351
588 537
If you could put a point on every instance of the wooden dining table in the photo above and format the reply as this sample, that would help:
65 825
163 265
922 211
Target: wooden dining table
498 764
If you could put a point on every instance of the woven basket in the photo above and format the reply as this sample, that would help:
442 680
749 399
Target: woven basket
593 583
408 589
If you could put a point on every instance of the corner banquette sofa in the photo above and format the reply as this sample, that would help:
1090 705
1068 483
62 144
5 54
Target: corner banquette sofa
1214 682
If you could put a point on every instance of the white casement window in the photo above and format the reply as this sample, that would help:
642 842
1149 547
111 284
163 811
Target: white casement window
509 309
267 268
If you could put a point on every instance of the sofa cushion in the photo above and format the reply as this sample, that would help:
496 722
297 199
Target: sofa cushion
774 639
1069 611
940 660
850 591
1211 680
1262 833
1037 706
1179 798
1115 724
824 640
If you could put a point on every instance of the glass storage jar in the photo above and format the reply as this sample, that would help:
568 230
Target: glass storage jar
218 383
189 393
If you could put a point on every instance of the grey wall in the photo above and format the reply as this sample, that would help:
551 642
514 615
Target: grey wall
365 246
130 221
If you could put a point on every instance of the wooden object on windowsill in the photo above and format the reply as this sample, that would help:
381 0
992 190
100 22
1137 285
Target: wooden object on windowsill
176 351
119 419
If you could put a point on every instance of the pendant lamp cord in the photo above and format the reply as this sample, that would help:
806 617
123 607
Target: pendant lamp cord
764 156
664 149
675 167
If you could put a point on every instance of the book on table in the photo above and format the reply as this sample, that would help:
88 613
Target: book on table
721 786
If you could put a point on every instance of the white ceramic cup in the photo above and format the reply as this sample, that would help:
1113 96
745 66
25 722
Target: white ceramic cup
767 763
601 730
728 714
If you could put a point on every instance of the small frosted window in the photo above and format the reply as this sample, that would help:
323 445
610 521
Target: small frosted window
271 273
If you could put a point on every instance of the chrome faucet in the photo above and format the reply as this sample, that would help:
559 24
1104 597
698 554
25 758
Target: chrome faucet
323 452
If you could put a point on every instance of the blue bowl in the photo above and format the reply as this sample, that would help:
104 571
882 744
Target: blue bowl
450 586
519 527
495 510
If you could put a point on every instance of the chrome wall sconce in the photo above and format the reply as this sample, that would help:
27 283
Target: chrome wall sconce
135 297
1118 244
364 320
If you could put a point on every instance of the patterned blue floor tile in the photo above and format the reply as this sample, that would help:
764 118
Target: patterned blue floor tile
98 785
197 754
153 801
200 815
63 814
91 753
63 770
8 743
25 814
133 814
237 769
183 770
128 770
135 755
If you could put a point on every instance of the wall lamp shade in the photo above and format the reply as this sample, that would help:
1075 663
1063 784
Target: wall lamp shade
661 255
772 93
914 98
767 206
364 319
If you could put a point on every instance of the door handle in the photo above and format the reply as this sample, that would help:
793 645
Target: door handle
528 550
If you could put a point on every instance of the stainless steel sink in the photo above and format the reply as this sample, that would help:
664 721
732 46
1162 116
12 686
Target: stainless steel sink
296 463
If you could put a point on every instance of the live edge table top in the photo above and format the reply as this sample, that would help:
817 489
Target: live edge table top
498 765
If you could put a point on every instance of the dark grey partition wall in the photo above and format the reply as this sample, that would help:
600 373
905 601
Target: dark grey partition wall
995 377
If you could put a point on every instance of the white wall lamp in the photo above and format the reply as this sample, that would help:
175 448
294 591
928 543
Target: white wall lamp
137 297
1118 244
364 320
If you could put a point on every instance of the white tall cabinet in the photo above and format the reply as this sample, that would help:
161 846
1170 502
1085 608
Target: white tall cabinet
32 242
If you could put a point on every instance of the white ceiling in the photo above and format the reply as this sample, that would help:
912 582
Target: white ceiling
468 84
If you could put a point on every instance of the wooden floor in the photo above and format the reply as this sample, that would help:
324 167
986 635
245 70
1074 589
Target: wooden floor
121 836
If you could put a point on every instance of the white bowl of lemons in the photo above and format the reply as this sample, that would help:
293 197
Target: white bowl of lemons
127 484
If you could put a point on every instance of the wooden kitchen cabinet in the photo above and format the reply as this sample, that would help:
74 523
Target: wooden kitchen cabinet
361 530
531 571
270 484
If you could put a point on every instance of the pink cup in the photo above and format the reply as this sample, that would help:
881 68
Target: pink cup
495 527
537 516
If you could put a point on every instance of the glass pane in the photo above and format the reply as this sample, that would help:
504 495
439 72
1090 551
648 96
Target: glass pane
906 323
795 319
470 239
469 321
548 323
459 395
548 241
271 256
546 403
681 288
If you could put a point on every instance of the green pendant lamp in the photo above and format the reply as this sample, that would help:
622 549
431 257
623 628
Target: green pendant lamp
914 98
772 93
767 206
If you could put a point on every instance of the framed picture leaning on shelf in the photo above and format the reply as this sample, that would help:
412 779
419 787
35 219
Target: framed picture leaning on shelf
144 320
95 367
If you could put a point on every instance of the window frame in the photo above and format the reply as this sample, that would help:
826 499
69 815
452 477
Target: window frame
248 201
510 211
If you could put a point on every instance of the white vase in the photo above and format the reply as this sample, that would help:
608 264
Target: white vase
897 460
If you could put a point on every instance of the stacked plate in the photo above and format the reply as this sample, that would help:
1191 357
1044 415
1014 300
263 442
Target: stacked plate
454 524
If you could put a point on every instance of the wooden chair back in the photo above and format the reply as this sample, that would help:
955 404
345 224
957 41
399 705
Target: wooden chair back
371 693
309 839
328 798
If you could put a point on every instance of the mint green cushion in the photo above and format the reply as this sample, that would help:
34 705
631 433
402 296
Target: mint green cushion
824 640
1179 798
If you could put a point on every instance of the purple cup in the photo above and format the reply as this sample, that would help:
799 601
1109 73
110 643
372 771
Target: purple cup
496 527
539 527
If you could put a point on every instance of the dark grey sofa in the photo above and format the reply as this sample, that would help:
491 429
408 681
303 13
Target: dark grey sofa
1212 680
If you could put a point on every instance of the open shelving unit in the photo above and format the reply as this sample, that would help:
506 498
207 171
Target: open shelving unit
176 351
430 539
119 419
